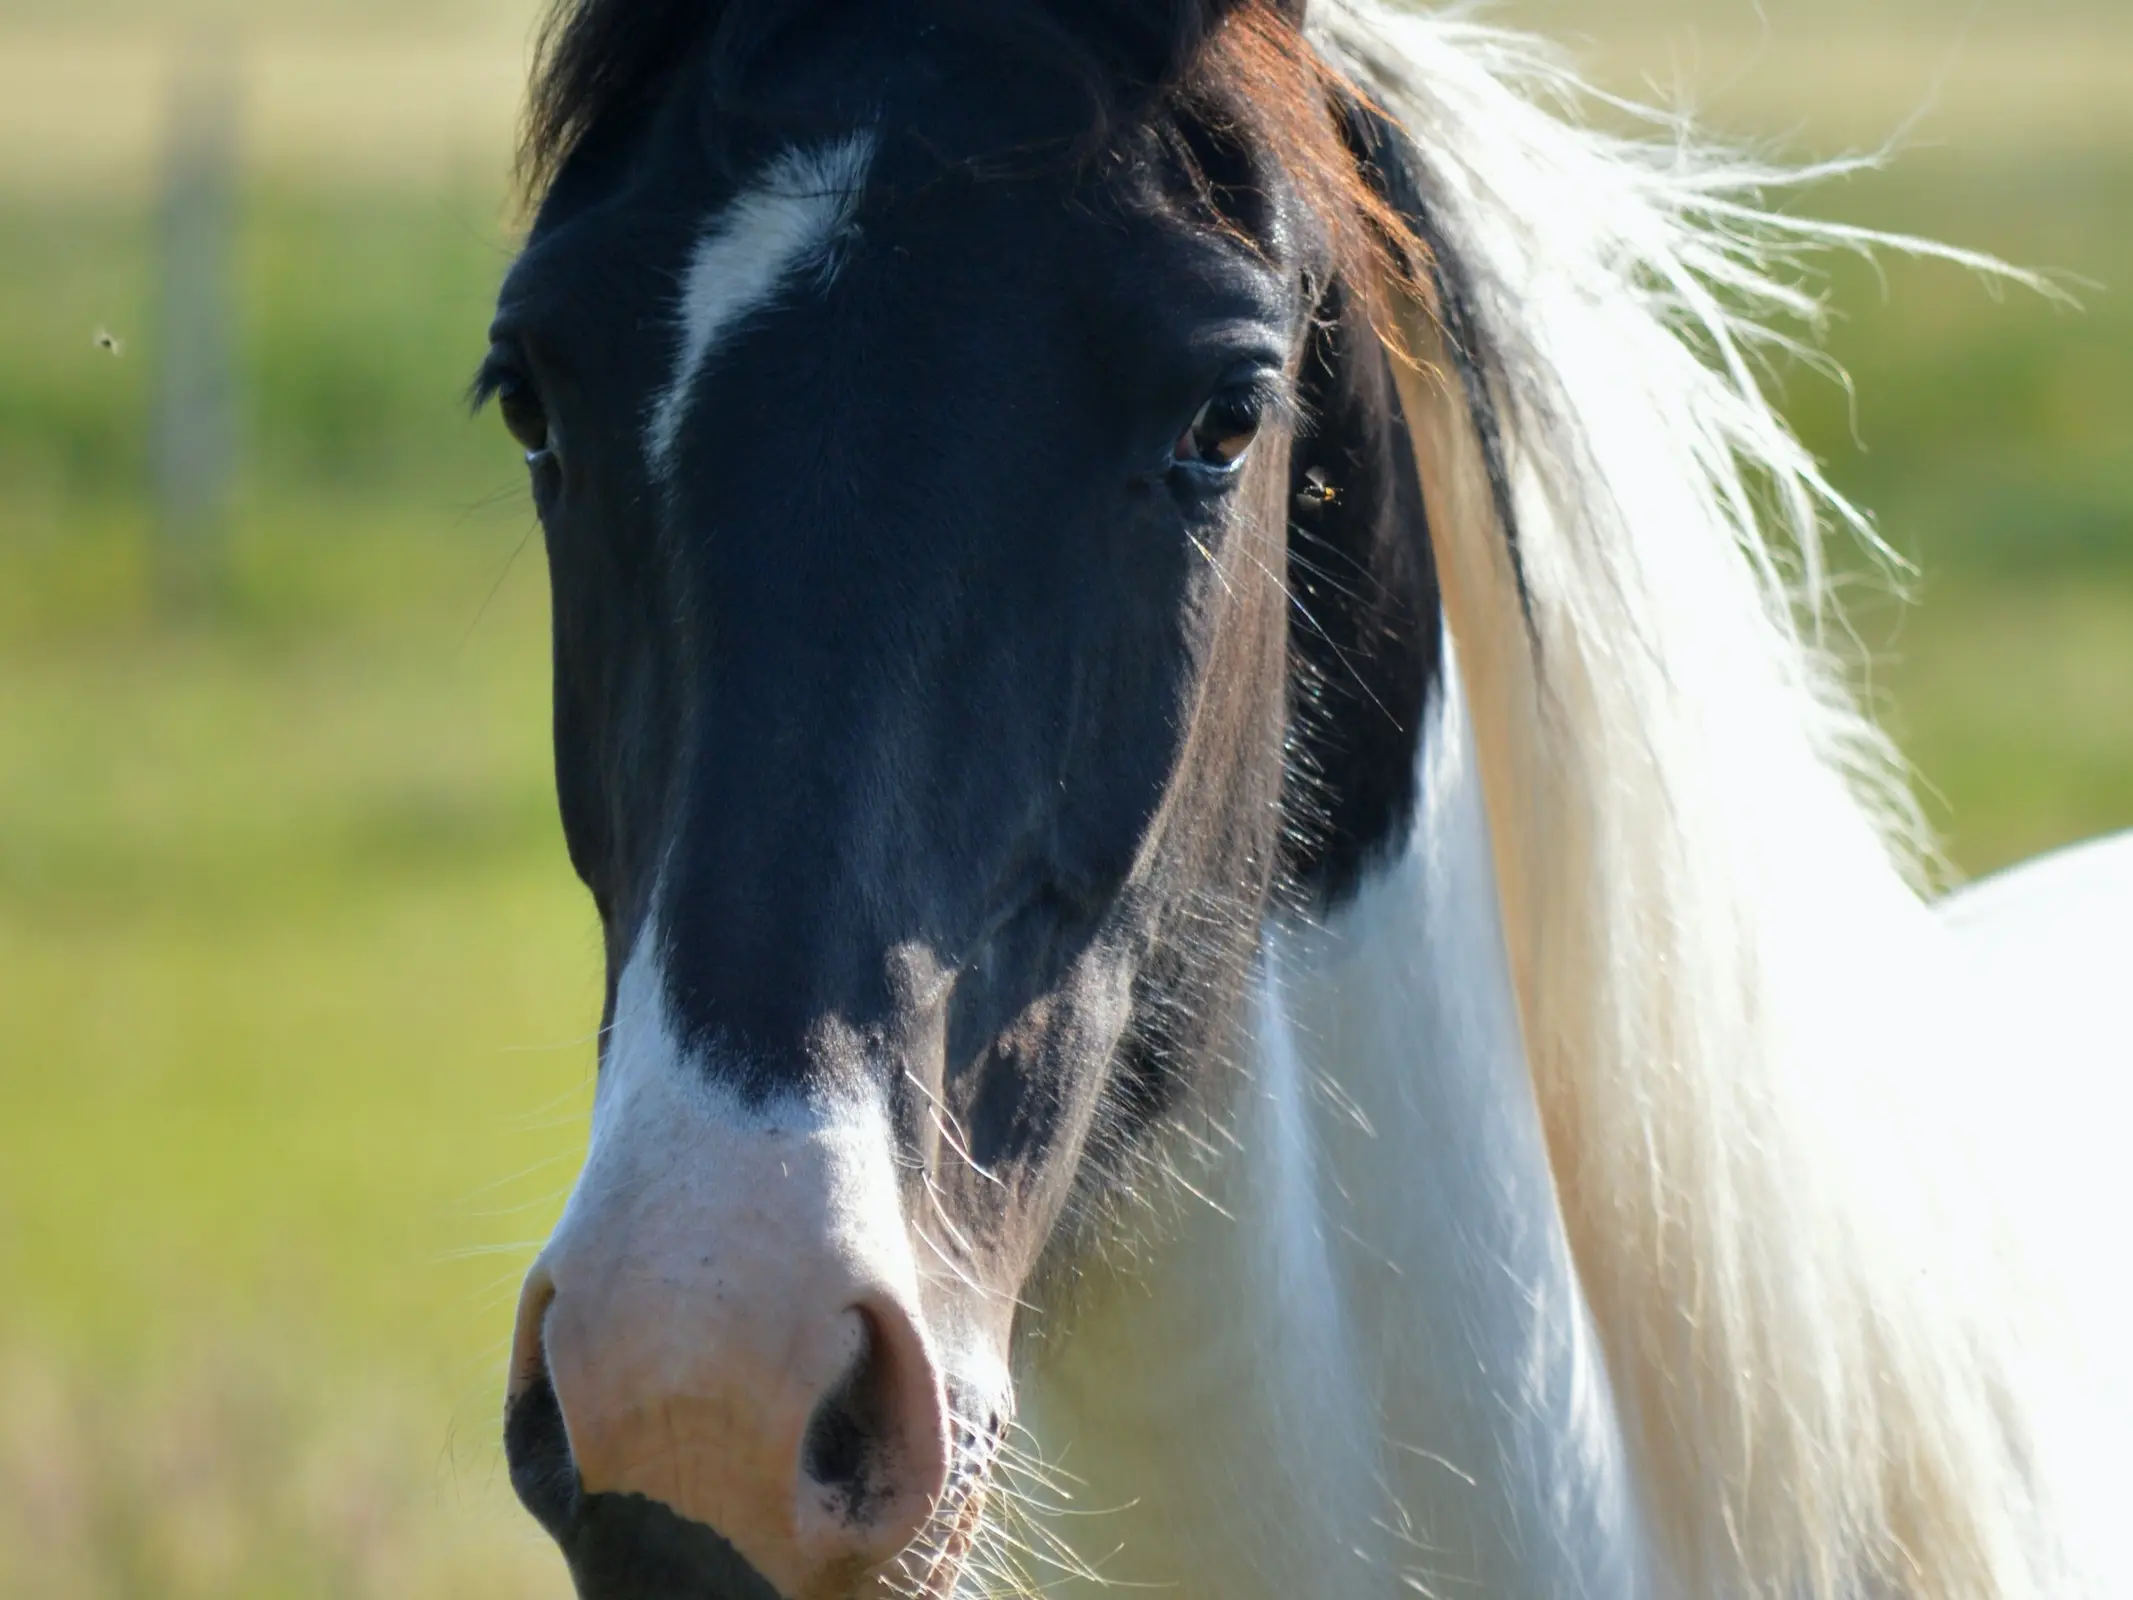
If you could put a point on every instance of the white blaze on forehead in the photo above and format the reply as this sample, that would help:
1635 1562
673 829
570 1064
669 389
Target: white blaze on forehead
787 222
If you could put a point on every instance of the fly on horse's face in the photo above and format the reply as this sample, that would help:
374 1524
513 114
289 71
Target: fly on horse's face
917 476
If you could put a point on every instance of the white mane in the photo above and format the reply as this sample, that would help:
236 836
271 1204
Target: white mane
1707 859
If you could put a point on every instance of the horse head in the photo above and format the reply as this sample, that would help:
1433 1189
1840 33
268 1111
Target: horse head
987 574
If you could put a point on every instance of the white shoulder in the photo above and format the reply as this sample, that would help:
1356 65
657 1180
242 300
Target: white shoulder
2045 960
2046 951
2062 923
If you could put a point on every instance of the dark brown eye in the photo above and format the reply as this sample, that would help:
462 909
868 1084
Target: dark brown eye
524 415
1222 433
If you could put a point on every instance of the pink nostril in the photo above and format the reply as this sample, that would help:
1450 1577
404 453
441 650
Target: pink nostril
846 1434
725 1326
529 1355
875 1455
813 1445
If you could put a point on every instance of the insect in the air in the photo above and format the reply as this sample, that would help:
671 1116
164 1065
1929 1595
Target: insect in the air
1317 493
109 342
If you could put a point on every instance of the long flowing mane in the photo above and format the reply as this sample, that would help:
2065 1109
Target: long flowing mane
1707 854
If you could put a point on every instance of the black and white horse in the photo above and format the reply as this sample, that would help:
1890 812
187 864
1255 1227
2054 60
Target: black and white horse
1249 951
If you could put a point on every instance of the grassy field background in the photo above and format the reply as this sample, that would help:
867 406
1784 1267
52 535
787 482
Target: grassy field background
295 987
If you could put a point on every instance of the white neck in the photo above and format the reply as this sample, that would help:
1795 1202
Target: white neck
1356 1361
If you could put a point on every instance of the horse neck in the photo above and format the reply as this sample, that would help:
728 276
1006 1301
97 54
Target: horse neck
1355 1359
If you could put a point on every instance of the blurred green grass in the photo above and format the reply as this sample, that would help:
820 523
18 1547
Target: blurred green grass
1990 430
295 986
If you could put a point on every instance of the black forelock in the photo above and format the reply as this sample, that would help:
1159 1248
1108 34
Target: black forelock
601 58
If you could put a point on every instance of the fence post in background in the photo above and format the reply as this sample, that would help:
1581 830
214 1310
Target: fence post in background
195 445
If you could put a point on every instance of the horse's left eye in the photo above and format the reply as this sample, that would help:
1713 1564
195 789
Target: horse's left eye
524 415
1222 433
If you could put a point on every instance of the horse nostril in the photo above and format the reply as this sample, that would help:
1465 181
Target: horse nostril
852 1429
834 1453
529 1336
872 1448
740 1356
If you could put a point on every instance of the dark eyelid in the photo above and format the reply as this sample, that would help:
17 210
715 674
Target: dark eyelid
504 365
1267 382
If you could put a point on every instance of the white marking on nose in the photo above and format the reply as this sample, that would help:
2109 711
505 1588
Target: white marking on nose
729 1287
661 1106
790 220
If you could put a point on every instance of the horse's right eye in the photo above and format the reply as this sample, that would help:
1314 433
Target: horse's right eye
524 415
1222 432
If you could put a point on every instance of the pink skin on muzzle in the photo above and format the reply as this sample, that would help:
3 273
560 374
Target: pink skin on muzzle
729 1314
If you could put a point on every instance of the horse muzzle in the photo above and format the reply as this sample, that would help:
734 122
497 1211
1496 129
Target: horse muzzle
721 1384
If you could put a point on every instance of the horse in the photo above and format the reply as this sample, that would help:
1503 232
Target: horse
1253 947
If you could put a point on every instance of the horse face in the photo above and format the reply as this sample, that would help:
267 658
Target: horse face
917 539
